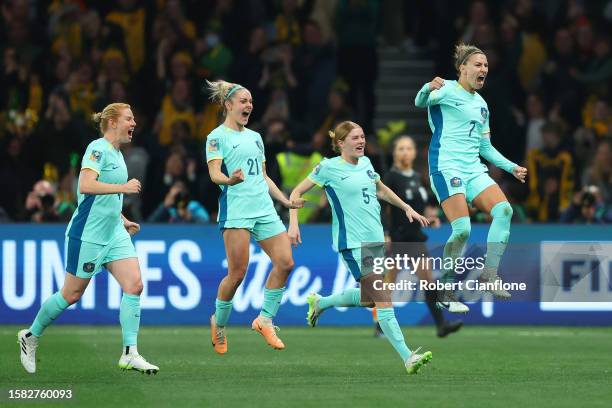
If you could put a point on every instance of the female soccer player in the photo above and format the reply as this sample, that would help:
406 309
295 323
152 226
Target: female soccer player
352 187
459 121
236 162
406 183
99 235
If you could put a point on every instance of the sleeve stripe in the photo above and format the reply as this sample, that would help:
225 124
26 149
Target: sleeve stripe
311 179
90 168
214 158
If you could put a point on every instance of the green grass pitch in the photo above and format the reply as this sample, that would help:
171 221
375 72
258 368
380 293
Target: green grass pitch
321 367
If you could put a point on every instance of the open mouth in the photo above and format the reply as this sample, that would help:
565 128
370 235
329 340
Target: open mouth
359 149
480 79
245 114
130 132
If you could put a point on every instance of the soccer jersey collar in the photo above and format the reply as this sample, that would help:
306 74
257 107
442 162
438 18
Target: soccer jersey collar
227 128
110 145
473 95
341 160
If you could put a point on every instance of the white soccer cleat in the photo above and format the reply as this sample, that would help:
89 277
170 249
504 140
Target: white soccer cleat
313 309
133 361
448 300
453 307
28 344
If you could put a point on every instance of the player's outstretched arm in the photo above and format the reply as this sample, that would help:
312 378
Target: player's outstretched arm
89 184
493 156
132 227
296 196
386 194
278 195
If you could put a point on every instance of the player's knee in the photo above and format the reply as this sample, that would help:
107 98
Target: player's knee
502 215
286 264
72 297
135 288
235 280
502 211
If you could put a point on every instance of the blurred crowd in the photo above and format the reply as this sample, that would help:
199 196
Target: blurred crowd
308 64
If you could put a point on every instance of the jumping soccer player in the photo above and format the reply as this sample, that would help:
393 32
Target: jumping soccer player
99 235
352 187
459 121
236 162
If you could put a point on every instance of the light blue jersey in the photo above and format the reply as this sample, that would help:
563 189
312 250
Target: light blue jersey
351 190
240 150
97 218
458 120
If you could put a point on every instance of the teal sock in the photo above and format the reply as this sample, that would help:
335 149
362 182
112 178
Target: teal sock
346 298
499 233
454 246
393 333
129 317
272 301
48 312
223 308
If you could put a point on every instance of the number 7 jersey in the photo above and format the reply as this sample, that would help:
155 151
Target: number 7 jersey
458 120
240 150
351 191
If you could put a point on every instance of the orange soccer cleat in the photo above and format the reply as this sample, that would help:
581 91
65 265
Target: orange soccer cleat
265 327
219 341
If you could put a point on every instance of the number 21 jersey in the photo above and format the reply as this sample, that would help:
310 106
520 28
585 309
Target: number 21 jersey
240 150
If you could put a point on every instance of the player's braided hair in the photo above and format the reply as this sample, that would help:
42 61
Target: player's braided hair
341 132
463 52
112 111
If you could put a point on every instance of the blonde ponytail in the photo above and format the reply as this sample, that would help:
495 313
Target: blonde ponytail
112 111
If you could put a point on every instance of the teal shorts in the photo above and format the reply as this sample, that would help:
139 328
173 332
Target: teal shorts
260 228
85 259
360 262
450 182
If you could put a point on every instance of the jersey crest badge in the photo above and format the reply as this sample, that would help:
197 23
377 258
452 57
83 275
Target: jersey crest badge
95 156
372 174
213 145
368 261
455 182
484 113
